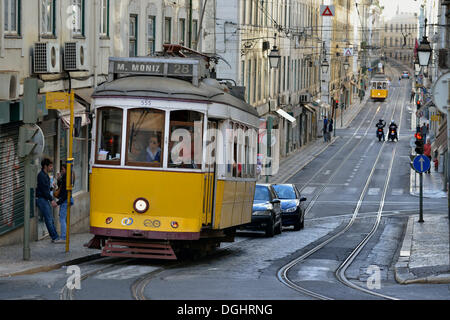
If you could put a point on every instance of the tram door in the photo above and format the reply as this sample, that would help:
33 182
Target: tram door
210 174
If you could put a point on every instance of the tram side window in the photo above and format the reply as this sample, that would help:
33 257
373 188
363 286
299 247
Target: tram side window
374 85
109 135
145 131
384 85
186 139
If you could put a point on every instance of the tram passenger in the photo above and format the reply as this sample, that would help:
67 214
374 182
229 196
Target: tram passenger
152 153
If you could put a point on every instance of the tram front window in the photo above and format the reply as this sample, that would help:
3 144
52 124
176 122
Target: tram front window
186 139
145 130
109 133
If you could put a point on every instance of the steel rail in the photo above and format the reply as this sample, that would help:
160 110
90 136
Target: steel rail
283 271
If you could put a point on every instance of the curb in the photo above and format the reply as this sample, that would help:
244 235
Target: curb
47 268
403 274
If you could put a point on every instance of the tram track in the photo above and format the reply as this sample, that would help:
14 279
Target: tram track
340 271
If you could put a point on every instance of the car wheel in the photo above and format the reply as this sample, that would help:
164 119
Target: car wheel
302 222
279 228
270 229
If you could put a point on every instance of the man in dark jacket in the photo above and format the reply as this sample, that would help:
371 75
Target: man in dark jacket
62 200
44 200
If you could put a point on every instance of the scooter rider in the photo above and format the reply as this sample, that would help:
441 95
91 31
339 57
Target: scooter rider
380 125
393 127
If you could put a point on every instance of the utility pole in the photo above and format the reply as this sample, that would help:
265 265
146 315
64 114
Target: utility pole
29 134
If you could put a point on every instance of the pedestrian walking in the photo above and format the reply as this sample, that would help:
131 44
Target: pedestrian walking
62 200
424 131
44 200
427 151
330 129
413 94
325 127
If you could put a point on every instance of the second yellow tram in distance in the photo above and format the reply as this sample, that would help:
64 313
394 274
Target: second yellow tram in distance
173 163
379 87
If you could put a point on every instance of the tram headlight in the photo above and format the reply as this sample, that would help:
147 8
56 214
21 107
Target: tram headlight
140 205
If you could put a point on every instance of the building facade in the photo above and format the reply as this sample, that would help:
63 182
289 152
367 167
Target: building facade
39 39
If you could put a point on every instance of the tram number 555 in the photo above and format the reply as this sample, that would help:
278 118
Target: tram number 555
146 102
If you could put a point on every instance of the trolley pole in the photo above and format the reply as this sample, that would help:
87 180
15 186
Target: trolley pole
421 198
69 164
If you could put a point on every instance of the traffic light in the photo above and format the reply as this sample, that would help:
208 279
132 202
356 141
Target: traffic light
31 99
418 105
26 143
419 143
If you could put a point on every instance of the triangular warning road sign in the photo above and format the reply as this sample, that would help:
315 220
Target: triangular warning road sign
327 12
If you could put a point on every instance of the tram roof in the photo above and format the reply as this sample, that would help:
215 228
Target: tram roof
169 88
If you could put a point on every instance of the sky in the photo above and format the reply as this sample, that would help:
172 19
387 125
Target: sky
390 6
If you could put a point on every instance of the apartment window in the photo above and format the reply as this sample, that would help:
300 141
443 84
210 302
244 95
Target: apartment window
78 17
182 31
151 26
48 17
133 34
194 33
12 17
249 80
104 18
167 30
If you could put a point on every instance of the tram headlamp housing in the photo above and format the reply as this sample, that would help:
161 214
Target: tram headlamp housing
140 205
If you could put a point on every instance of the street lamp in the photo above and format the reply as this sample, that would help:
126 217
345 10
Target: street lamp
324 66
424 50
274 58
346 65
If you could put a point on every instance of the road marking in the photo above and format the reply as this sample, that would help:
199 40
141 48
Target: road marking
397 192
373 191
327 172
308 190
126 273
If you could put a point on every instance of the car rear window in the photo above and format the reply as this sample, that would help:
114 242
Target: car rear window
284 192
262 193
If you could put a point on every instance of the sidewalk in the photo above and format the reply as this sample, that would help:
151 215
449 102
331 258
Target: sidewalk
45 256
424 256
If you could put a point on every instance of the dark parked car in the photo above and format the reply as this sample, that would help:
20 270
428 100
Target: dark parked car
292 210
266 210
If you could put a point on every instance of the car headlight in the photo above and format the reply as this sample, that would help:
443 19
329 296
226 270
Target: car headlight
292 209
261 213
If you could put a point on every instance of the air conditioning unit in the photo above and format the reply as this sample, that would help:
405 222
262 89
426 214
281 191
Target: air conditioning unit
46 58
75 56
9 85
305 97
282 100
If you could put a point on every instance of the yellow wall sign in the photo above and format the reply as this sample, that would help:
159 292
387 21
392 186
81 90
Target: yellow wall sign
435 117
58 100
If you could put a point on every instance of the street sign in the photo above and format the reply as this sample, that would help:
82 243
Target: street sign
58 100
327 10
421 163
440 92
348 52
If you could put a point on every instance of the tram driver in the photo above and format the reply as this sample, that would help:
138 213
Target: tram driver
152 152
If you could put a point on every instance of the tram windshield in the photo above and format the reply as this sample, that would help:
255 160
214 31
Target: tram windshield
145 131
109 132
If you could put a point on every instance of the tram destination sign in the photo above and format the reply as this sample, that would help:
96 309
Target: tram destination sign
153 68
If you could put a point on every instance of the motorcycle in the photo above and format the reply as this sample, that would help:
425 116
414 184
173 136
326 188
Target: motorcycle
379 134
392 135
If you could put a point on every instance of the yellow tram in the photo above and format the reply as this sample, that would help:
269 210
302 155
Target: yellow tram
173 164
379 87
